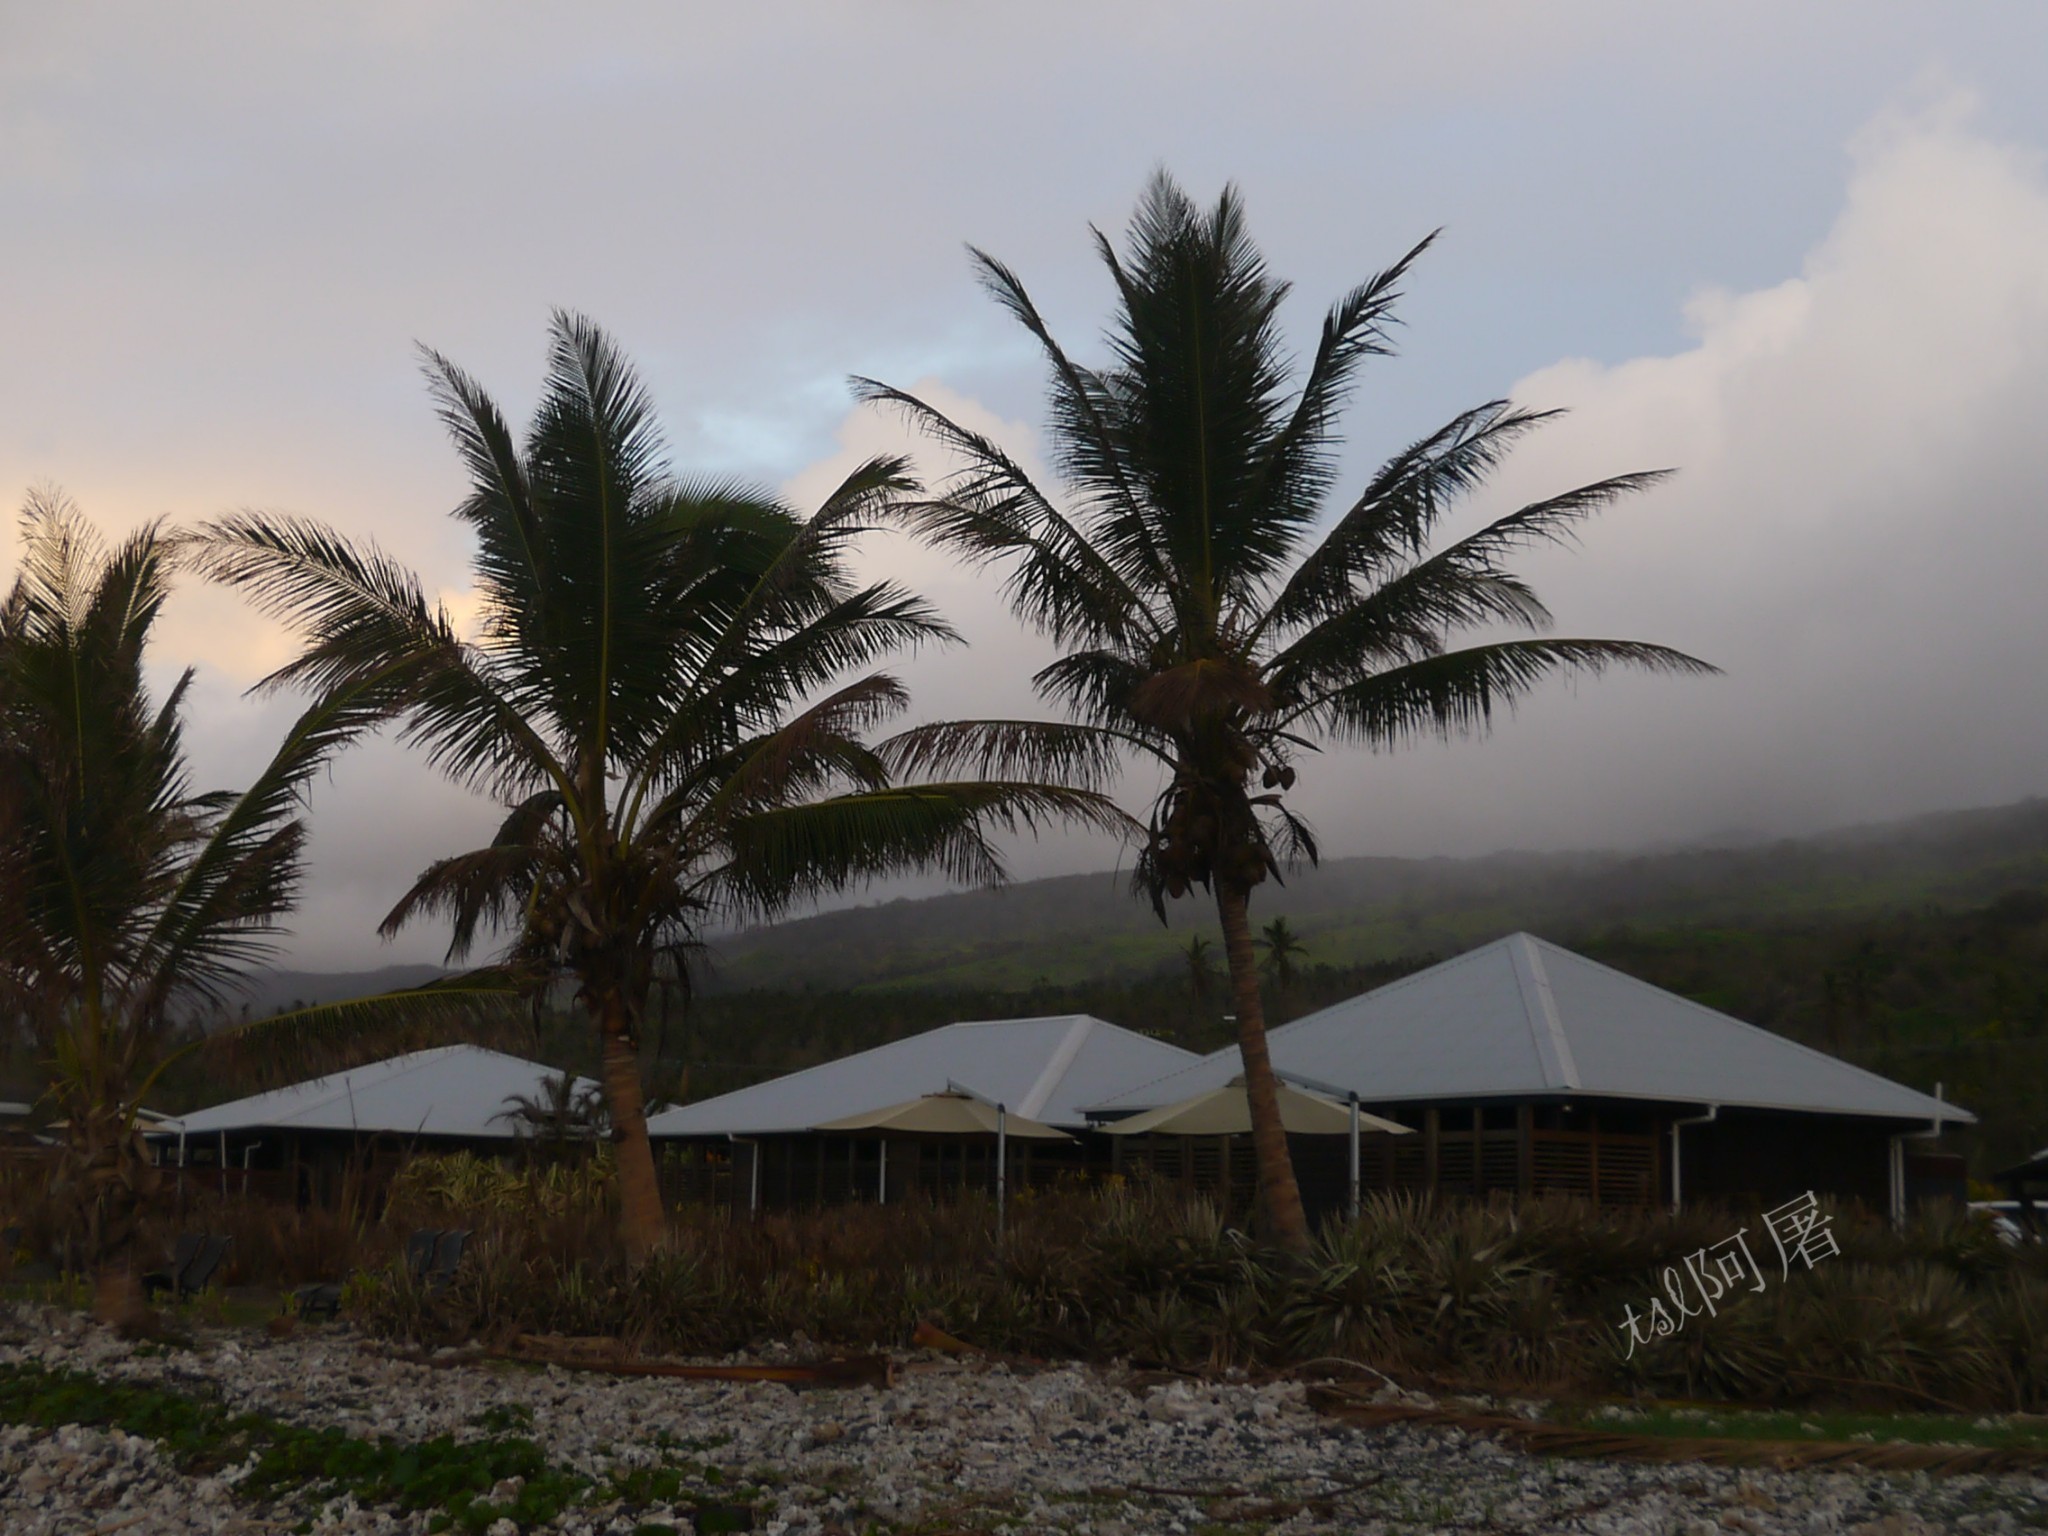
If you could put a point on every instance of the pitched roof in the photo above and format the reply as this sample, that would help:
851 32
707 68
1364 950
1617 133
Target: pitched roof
1522 1018
1047 1068
453 1090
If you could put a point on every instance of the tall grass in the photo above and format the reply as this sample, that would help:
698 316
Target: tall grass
1522 1296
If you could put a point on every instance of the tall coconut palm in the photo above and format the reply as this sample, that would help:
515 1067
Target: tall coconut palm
1216 614
128 902
666 691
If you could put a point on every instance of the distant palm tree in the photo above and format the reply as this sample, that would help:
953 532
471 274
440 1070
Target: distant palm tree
562 1112
1201 969
666 694
1212 615
130 900
1283 947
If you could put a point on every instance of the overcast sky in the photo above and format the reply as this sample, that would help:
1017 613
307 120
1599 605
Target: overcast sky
1799 252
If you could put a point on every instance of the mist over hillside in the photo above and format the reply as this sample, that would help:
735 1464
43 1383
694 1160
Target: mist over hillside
1364 910
1358 911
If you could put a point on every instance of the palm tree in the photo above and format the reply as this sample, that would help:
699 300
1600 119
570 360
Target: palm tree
1213 615
1282 946
1201 970
666 693
560 1113
131 901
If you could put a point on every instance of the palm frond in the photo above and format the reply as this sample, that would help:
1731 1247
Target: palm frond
1458 692
992 512
1083 756
1391 521
457 1005
781 856
365 619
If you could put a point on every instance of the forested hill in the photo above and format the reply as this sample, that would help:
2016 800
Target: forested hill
1918 949
1361 911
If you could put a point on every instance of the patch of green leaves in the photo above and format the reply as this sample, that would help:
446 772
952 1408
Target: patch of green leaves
454 1478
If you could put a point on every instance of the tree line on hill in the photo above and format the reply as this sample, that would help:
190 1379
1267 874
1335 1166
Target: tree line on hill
1932 995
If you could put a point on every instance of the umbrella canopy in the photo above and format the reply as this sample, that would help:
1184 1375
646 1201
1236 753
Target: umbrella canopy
945 1114
1227 1111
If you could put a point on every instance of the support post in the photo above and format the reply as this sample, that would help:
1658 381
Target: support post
1002 1168
1354 1157
1525 1150
882 1175
1677 1166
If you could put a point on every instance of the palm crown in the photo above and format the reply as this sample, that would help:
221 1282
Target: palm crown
129 893
1213 613
130 899
666 688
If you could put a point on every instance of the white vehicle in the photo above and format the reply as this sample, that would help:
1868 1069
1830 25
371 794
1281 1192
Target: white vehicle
2006 1219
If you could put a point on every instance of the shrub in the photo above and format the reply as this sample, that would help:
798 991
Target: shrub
1501 1295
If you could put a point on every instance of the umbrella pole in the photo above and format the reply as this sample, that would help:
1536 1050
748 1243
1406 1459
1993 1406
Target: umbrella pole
1354 1157
882 1176
1002 1169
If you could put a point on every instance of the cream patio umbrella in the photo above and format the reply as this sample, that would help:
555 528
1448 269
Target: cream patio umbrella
951 1114
1227 1111
947 1114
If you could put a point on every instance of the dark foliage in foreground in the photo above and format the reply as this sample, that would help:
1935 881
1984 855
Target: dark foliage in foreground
1941 1315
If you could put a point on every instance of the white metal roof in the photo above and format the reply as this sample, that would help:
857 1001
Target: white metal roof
453 1090
1048 1068
1520 1018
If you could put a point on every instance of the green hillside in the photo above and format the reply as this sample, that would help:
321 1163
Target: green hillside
1363 911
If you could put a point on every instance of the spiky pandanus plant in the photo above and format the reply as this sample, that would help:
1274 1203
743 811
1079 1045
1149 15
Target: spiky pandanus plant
1215 615
127 900
667 691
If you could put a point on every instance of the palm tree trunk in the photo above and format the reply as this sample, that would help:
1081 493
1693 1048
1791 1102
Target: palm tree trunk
117 1296
641 1222
1279 1196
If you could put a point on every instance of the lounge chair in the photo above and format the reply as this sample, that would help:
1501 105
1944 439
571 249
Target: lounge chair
323 1299
183 1253
447 1259
194 1259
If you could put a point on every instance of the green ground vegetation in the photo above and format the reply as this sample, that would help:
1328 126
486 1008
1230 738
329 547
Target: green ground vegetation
450 1477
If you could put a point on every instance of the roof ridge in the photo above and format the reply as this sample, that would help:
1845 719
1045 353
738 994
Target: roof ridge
1057 1065
1539 1005
1034 1018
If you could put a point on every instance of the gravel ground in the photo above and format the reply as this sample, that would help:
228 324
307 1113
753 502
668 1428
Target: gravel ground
952 1448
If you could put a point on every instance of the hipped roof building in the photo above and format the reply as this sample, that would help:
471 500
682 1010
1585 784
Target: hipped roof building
1529 1067
1051 1069
777 1144
454 1092
305 1142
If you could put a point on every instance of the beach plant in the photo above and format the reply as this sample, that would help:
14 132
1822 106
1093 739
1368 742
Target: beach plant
1217 616
668 690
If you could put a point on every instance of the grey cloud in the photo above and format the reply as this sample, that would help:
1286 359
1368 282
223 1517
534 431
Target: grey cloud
229 223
